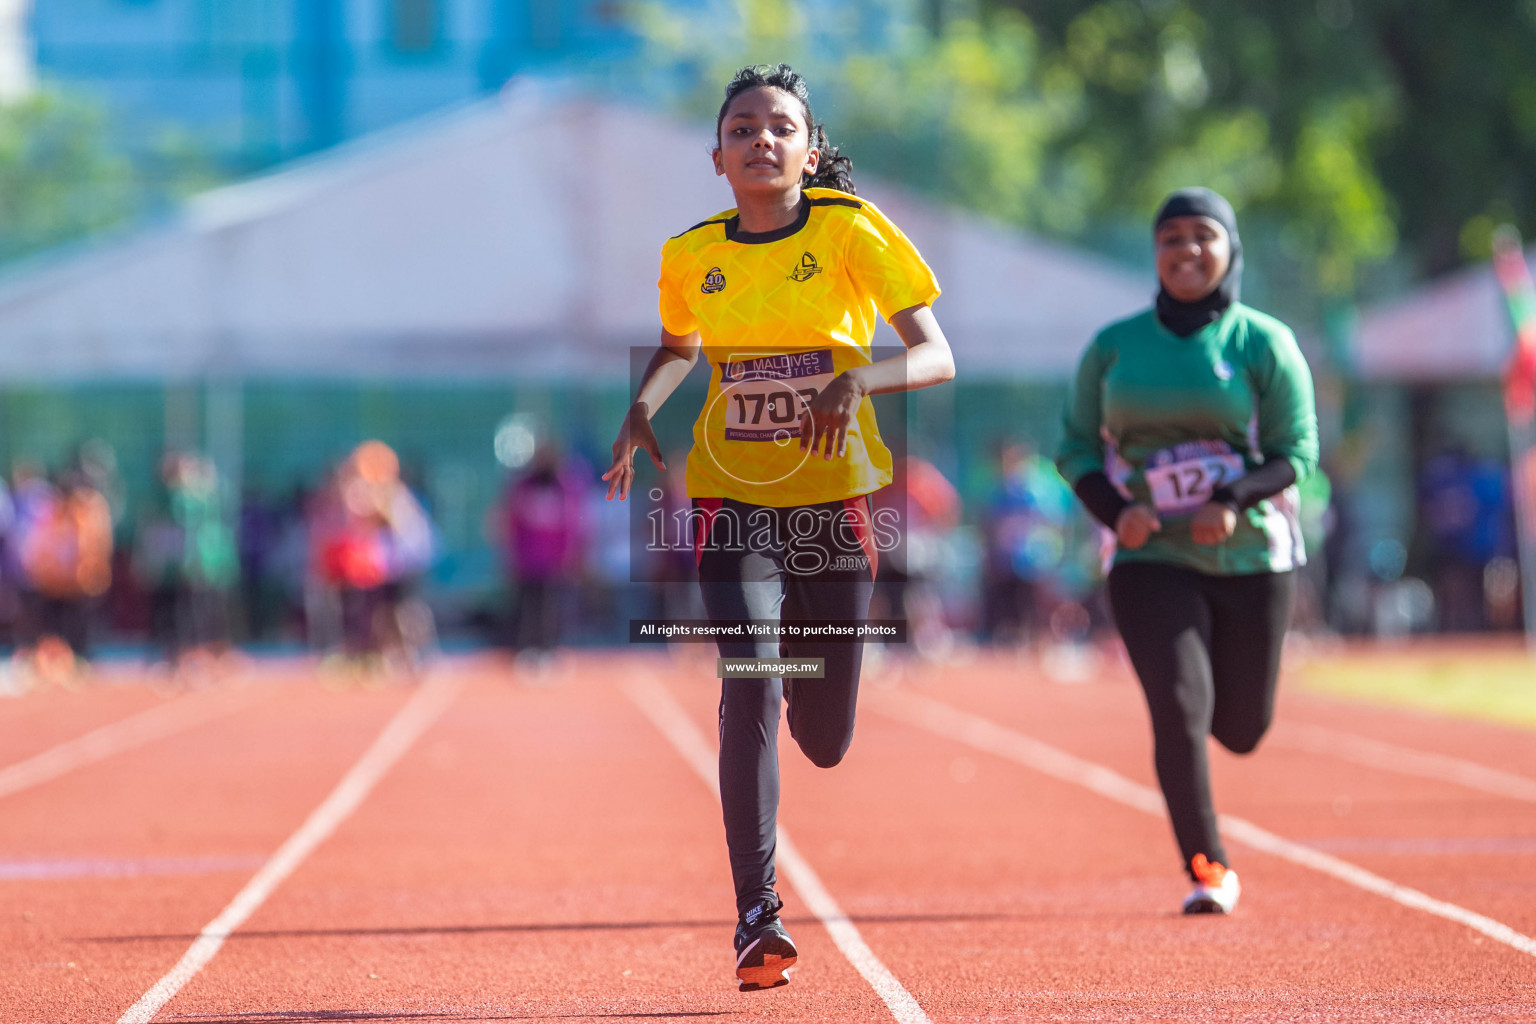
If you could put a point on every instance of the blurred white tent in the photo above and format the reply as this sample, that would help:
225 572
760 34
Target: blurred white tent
517 236
1453 328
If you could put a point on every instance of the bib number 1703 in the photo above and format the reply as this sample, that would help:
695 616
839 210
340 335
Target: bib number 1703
780 405
765 395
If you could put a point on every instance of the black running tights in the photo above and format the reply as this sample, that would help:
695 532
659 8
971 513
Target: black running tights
747 573
1207 652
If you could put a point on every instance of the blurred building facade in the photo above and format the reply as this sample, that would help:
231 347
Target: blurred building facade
263 80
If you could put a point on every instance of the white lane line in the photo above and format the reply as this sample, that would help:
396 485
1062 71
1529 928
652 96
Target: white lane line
100 867
1316 739
158 722
984 734
413 719
657 703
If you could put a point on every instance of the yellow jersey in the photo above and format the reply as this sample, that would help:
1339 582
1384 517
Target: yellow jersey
780 314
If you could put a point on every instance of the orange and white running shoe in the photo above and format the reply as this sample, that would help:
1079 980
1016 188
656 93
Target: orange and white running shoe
1216 889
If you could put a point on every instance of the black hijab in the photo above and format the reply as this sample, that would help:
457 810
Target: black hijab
1185 318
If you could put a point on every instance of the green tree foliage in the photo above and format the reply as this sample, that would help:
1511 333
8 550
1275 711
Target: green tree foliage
1263 102
1347 132
1383 118
61 178
1459 154
961 115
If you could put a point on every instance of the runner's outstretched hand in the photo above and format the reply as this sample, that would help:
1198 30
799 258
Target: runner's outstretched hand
634 433
1213 523
825 422
1135 524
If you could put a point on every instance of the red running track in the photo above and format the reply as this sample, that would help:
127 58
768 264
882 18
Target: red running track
544 852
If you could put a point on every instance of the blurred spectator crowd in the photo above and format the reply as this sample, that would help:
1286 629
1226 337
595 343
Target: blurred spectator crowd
337 568
342 567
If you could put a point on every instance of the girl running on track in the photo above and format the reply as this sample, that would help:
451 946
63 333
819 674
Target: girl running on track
781 294
1207 406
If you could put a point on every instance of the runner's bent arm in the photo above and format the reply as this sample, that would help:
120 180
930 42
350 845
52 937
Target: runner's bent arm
1080 458
1081 450
927 361
1287 416
666 370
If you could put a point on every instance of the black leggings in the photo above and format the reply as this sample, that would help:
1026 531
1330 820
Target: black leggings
1207 652
780 565
536 617
68 618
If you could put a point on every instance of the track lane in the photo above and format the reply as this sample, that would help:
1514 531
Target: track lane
1293 792
702 756
1326 741
947 721
483 880
543 854
41 719
1057 712
49 732
150 725
432 697
230 790
1499 746
1011 893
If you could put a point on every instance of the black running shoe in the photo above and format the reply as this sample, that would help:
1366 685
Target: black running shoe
764 950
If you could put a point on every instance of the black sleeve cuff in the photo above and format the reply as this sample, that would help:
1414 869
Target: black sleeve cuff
1266 481
1101 498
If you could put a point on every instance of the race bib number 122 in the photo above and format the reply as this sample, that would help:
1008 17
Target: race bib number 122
765 395
1183 477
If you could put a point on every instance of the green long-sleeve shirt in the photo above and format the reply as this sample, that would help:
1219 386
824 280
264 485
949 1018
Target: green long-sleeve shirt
1171 419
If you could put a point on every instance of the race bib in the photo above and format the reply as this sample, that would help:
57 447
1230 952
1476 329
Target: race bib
765 395
1183 477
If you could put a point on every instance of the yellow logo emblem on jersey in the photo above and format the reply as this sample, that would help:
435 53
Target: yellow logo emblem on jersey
714 281
807 269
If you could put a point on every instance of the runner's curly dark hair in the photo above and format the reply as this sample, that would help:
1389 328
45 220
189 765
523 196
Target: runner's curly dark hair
833 170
